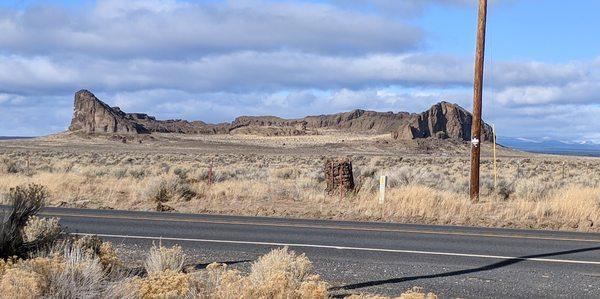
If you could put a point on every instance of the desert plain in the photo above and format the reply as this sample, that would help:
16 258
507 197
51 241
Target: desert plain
283 176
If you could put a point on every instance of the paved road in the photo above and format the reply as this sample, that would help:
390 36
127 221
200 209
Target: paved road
385 258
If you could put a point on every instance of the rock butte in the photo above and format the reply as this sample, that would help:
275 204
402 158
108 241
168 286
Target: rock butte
443 121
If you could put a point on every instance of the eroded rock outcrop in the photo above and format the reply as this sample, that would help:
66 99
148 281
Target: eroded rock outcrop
94 116
442 120
91 115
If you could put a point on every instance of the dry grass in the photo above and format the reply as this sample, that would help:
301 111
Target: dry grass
162 259
75 272
87 267
532 192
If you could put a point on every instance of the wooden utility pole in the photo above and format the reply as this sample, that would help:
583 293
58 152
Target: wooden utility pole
477 95
495 160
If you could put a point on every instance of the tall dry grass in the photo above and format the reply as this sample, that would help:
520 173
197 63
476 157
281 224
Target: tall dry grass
536 192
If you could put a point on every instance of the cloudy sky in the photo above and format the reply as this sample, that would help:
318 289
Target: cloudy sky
215 60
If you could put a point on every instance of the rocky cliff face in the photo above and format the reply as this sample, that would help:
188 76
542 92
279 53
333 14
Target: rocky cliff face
442 120
93 116
359 121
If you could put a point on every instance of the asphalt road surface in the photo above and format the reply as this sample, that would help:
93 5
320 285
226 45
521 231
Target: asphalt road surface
359 257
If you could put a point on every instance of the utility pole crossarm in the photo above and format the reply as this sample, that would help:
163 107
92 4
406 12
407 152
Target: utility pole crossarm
477 99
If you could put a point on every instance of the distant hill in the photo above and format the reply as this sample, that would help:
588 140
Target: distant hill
551 146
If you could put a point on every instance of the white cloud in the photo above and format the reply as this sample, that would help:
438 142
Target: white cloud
214 61
523 84
404 8
169 29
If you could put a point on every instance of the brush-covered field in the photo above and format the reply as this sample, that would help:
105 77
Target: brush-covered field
283 176
40 260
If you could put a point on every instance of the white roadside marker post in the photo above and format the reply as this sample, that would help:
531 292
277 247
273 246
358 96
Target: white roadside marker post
382 185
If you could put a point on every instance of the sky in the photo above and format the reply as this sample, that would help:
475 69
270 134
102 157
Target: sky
215 60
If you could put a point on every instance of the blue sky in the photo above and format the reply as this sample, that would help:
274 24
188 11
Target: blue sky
521 30
215 60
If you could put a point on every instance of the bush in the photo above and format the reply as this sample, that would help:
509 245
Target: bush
531 189
278 274
39 228
10 167
81 277
72 272
137 173
161 258
94 246
166 188
20 283
66 271
44 266
26 202
119 173
89 244
165 284
216 281
283 274
108 257
286 173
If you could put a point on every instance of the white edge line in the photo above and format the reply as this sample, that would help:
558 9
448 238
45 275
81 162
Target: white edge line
347 248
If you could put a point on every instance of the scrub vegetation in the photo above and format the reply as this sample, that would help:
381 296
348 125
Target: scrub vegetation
557 193
285 178
61 266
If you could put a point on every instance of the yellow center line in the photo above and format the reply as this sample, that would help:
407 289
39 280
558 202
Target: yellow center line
328 227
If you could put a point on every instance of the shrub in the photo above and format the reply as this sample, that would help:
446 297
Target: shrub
20 283
108 256
40 228
166 188
186 192
81 277
182 173
405 176
119 173
26 202
278 274
531 189
137 173
365 171
504 190
93 246
225 174
162 189
216 281
283 274
10 166
126 288
287 173
89 244
44 266
164 284
161 258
